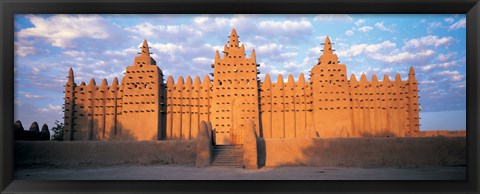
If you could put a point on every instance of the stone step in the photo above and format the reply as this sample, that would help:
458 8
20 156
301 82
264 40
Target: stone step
227 159
228 150
227 147
227 155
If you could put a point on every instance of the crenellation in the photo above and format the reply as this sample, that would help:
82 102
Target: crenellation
186 109
289 100
266 106
278 116
300 99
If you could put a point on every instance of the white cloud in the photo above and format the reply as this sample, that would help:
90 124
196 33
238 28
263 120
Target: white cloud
460 24
333 17
455 76
61 30
403 56
51 108
382 27
24 51
171 32
359 22
289 54
349 32
24 48
268 49
446 57
449 20
285 26
72 53
358 49
445 65
433 26
365 28
30 95
203 60
430 40
207 23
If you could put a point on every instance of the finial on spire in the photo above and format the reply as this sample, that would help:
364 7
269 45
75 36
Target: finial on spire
327 47
145 48
233 38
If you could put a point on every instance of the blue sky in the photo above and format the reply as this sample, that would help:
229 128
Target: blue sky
101 46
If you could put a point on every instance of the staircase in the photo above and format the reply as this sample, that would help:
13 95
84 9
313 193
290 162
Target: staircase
227 155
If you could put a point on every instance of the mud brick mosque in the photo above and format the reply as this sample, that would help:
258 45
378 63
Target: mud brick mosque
143 106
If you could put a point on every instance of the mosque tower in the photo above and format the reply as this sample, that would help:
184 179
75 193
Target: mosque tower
143 99
235 92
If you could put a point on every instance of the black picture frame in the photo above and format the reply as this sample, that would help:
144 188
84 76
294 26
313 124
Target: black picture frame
11 7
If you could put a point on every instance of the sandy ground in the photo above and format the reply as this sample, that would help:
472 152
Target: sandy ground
169 172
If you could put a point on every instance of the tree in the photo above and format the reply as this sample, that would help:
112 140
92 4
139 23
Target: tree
57 131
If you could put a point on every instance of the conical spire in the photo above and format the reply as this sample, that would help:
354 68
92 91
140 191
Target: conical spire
180 81
290 80
114 85
115 81
374 78
70 76
189 81
363 78
197 82
267 79
327 47
353 78
217 55
145 48
411 74
254 56
398 77
386 78
104 82
233 38
170 81
280 80
206 79
92 82
301 78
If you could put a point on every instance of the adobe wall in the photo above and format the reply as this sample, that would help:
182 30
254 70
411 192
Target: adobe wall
325 105
103 153
364 152
445 133
187 104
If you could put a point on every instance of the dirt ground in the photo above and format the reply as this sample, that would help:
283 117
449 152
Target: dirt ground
171 172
